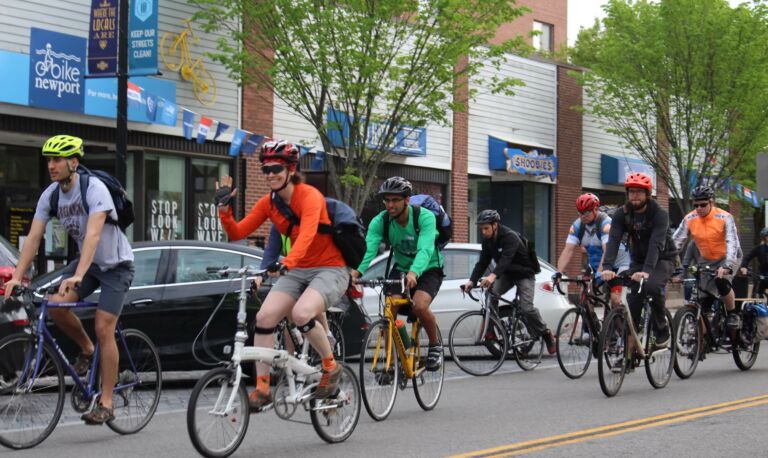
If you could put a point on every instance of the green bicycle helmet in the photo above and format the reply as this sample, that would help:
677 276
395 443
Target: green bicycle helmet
63 146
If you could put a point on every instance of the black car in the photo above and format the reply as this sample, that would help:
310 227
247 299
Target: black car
14 321
172 297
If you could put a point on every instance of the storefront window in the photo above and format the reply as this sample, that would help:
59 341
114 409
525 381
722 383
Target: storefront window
165 197
205 220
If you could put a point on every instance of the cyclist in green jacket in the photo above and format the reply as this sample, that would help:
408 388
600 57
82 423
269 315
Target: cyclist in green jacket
415 254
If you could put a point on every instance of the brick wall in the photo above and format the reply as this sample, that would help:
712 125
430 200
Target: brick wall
258 114
459 164
569 161
553 12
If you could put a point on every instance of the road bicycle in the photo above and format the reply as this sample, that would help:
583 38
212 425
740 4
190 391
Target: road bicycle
706 314
32 383
578 332
388 360
218 411
175 54
478 339
623 344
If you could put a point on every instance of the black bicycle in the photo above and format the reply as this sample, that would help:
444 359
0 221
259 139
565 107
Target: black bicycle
578 333
701 328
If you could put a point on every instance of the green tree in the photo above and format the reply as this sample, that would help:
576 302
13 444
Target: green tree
386 64
684 83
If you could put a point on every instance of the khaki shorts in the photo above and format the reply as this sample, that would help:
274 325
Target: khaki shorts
330 282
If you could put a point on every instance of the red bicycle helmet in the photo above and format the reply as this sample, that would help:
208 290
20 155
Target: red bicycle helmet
281 150
639 180
587 202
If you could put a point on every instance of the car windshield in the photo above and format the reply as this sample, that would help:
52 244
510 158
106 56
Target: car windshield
9 255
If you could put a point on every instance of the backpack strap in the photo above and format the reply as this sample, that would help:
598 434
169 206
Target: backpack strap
598 224
286 211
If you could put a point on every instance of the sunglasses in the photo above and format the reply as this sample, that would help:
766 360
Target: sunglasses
585 213
394 200
273 169
700 205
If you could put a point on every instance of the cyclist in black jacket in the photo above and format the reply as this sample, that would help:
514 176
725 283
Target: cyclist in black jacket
513 268
650 246
761 253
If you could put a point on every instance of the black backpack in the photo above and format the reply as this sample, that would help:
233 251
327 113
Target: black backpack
533 259
123 205
346 228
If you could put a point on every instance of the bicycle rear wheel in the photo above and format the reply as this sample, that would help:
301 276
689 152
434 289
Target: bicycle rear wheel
687 342
214 432
140 374
574 344
30 406
334 419
527 350
613 352
427 385
170 51
474 353
659 363
745 355
339 351
378 379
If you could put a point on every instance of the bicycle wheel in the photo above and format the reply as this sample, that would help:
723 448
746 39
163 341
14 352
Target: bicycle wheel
474 353
213 431
687 340
527 350
339 351
659 363
613 352
170 51
30 406
427 385
378 379
334 419
204 86
574 346
139 372
745 355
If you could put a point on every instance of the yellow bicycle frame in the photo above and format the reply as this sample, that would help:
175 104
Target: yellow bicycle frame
407 357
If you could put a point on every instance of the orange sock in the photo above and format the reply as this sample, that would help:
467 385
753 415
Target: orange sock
262 383
329 363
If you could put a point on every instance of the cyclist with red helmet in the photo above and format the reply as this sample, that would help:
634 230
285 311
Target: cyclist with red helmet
652 251
316 275
590 232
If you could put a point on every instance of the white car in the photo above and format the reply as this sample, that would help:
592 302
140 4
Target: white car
460 259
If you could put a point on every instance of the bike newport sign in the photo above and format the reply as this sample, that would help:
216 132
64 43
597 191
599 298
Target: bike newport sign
56 70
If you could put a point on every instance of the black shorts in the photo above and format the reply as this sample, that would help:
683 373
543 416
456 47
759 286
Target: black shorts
429 281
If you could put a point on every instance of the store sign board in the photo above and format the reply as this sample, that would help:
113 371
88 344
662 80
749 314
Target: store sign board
101 97
516 158
56 70
14 78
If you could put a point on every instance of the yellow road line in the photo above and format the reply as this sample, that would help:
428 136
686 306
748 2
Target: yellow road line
519 448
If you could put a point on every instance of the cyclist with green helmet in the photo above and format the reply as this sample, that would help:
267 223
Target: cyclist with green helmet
105 261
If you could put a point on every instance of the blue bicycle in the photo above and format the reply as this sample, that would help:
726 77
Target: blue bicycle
32 384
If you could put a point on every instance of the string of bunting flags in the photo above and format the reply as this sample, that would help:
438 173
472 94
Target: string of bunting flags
162 111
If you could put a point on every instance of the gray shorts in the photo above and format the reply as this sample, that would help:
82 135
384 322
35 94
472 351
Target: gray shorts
114 284
708 283
330 282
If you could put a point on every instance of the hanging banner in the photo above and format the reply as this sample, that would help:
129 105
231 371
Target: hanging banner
102 38
56 70
142 37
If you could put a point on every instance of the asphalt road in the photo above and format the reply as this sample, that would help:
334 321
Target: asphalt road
720 411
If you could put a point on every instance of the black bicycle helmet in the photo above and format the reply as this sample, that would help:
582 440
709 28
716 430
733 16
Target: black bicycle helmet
703 193
488 217
396 185
764 232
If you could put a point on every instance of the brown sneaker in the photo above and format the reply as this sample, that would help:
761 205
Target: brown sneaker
257 400
82 364
329 382
549 339
99 415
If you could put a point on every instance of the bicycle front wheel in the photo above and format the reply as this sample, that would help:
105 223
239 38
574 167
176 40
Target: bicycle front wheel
216 432
659 363
427 385
527 349
378 377
687 340
335 418
474 351
139 382
613 352
30 403
574 344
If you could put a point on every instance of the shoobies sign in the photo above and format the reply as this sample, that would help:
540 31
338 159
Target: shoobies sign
56 70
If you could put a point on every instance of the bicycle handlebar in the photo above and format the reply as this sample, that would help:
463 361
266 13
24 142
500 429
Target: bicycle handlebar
380 282
248 271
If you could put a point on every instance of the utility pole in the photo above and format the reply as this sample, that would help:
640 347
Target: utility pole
121 140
